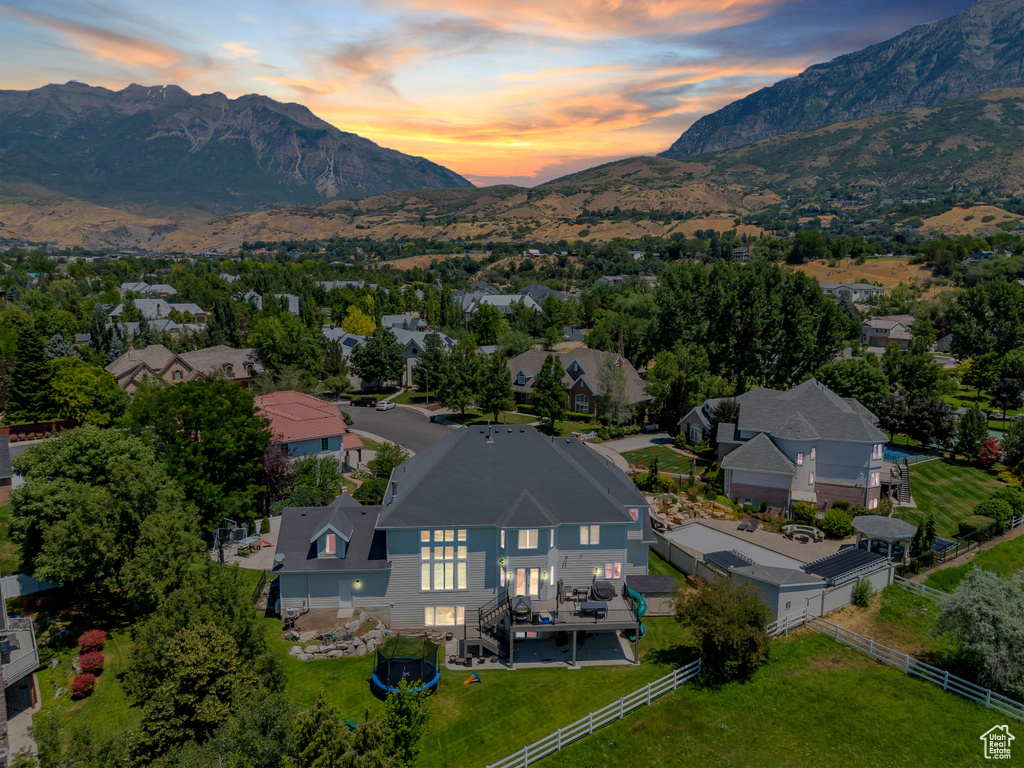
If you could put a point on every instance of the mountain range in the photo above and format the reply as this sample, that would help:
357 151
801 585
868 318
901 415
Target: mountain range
970 53
161 146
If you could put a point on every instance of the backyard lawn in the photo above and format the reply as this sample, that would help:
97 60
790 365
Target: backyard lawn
815 703
948 491
669 460
474 418
1004 559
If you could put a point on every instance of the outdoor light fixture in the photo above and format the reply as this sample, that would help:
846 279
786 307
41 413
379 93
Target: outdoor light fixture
544 575
597 571
501 561
357 583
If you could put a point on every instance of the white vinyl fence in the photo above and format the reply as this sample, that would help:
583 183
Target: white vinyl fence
585 726
921 590
901 661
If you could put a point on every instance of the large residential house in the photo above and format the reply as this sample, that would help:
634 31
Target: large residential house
404 321
807 444
855 292
582 379
503 302
241 365
306 425
478 520
538 292
883 331
158 309
147 291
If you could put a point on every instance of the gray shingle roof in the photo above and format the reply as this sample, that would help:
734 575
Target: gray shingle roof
590 360
779 576
522 478
759 455
888 527
822 412
366 550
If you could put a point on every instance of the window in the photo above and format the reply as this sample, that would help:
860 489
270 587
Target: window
874 479
521 379
528 539
502 539
582 404
873 504
229 371
590 534
444 616
445 565
812 454
551 541
788 603
810 478
324 445
876 451
634 513
177 375
694 433
329 544
613 570
799 459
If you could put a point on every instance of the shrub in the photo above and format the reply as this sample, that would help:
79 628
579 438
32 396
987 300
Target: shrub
1012 496
91 662
861 594
996 509
524 408
82 685
265 525
973 524
92 640
805 512
347 418
836 524
844 505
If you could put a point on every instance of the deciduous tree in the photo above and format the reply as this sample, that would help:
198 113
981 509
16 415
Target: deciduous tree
549 394
379 357
495 387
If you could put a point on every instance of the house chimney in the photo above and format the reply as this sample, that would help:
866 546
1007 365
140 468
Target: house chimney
394 491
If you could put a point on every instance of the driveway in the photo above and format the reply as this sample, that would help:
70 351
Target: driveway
408 426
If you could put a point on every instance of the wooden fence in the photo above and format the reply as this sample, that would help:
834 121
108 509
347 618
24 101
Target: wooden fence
585 726
901 661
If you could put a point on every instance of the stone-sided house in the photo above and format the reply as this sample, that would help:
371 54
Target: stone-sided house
883 331
308 426
476 520
240 365
807 444
582 379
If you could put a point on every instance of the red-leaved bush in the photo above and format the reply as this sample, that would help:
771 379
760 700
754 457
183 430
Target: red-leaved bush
91 662
92 640
82 685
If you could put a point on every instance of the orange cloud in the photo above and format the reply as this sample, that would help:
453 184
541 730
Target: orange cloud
103 44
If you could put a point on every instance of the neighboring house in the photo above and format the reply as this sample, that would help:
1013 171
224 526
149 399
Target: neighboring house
330 285
348 341
481 518
573 333
538 292
741 254
306 425
414 344
158 309
131 330
855 292
228 278
651 280
482 286
404 321
504 303
883 331
582 379
241 365
250 297
945 344
147 291
807 444
6 473
292 304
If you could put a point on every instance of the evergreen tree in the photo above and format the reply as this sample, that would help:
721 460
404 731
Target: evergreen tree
495 387
379 357
29 398
428 371
58 347
487 324
99 335
549 395
461 377
223 327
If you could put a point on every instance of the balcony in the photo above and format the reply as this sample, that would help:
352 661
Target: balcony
18 649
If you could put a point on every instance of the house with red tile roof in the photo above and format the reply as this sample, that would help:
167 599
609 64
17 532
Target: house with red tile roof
307 425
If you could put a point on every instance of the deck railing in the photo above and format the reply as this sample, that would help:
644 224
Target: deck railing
585 726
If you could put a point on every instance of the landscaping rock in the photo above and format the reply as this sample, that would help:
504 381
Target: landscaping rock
334 654
349 651
356 642
353 625
303 657
371 646
296 650
312 648
305 637
361 650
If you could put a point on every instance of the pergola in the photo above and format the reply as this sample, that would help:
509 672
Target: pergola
877 532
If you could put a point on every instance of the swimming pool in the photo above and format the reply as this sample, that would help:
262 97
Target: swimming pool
892 453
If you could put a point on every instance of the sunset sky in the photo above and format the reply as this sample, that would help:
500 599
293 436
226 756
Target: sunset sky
517 91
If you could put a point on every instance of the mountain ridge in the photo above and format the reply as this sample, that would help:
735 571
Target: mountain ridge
975 51
161 145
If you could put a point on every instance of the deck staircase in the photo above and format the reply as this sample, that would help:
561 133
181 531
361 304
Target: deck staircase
492 632
902 478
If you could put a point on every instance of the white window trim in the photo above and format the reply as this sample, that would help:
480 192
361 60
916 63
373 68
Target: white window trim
524 538
590 535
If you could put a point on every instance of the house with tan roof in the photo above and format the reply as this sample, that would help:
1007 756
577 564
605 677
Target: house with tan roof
308 426
582 377
883 331
241 365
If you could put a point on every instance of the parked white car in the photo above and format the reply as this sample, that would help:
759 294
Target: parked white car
385 405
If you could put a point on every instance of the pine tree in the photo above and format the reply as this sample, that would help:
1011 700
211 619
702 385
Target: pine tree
431 365
495 387
58 347
29 399
99 334
549 395
461 377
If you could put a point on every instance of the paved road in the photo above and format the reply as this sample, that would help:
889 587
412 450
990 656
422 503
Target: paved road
407 426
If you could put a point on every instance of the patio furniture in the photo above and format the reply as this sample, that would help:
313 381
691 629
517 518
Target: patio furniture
522 609
743 524
602 591
752 524
598 609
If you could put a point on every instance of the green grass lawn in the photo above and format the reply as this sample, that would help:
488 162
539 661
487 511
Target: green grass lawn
668 459
815 704
412 397
1005 559
658 567
473 418
948 491
10 554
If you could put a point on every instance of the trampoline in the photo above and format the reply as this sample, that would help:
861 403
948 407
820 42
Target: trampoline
412 660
